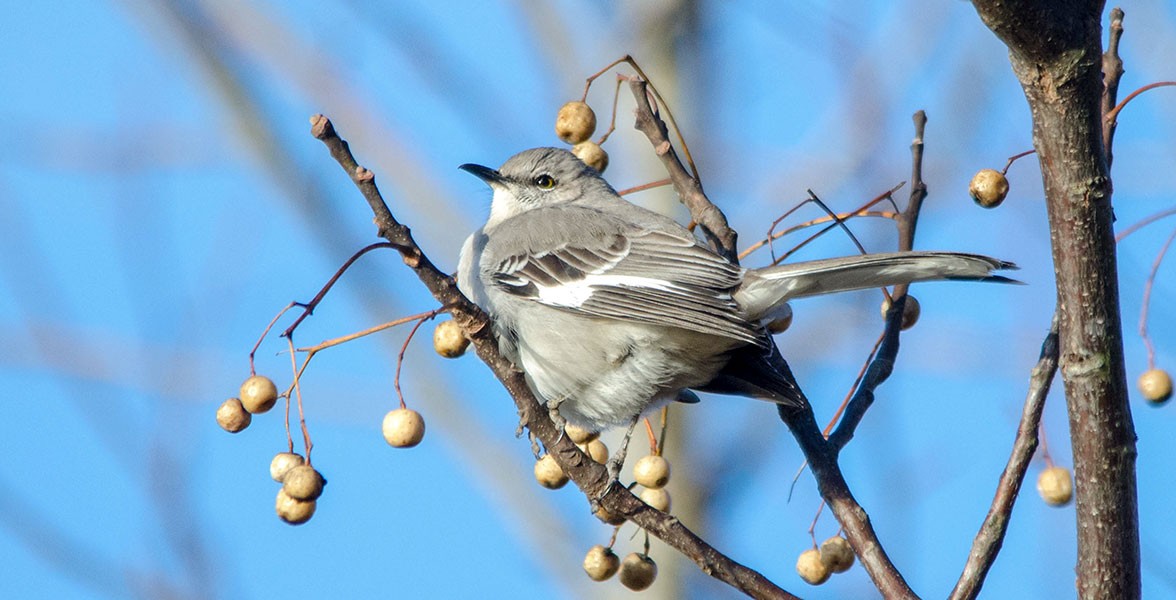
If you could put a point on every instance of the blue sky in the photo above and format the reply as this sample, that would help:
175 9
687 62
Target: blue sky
162 199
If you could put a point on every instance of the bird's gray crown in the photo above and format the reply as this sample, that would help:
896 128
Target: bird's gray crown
538 177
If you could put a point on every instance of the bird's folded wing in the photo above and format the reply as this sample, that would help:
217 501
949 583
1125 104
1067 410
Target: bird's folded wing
611 270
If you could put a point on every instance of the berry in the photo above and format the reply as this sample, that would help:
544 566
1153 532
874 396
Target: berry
579 435
282 463
592 154
836 554
549 474
1155 385
638 571
448 339
596 450
258 394
910 311
988 188
303 483
294 511
575 122
601 563
657 498
1055 486
652 471
810 567
403 428
232 416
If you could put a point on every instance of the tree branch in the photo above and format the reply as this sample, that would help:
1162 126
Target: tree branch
820 453
702 210
1055 51
1112 68
883 363
992 532
592 478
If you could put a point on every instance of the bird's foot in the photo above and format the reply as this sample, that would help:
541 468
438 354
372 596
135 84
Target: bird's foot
617 462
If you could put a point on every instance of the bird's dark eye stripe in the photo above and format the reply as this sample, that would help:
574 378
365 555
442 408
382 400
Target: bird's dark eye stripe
545 181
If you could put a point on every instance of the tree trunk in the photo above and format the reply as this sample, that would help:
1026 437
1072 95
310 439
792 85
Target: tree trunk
1056 52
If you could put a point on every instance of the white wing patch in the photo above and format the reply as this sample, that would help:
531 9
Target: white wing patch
573 294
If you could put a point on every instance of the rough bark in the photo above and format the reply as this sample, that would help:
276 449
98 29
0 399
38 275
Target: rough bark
1055 51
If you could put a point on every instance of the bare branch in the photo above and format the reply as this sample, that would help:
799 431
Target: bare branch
707 215
1112 68
992 532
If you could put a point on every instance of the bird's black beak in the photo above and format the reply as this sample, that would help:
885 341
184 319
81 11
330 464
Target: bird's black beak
484 173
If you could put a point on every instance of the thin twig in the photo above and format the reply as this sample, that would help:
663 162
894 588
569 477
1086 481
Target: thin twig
1143 223
1112 68
860 212
812 530
836 222
403 349
992 532
298 395
1147 290
264 333
366 332
644 186
308 308
1014 158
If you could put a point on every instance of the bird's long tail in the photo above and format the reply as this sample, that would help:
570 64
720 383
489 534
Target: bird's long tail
765 289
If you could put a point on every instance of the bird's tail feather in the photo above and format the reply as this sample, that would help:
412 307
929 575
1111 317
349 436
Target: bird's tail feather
766 288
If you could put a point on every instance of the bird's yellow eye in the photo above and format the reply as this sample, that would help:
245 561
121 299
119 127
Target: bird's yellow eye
545 181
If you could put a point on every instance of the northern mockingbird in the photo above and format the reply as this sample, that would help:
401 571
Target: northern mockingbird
611 309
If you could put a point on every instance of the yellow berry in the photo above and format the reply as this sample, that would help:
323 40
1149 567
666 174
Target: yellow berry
810 567
232 416
549 474
596 450
303 483
1155 385
836 554
258 394
282 463
292 510
579 435
652 471
910 311
592 154
657 498
601 563
448 339
575 122
638 571
1055 486
403 428
989 188
606 517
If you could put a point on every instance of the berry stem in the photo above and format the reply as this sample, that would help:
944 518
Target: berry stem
298 395
400 357
812 530
1014 158
1113 115
264 333
1147 290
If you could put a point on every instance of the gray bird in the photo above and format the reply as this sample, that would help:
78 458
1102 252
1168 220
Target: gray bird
611 309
